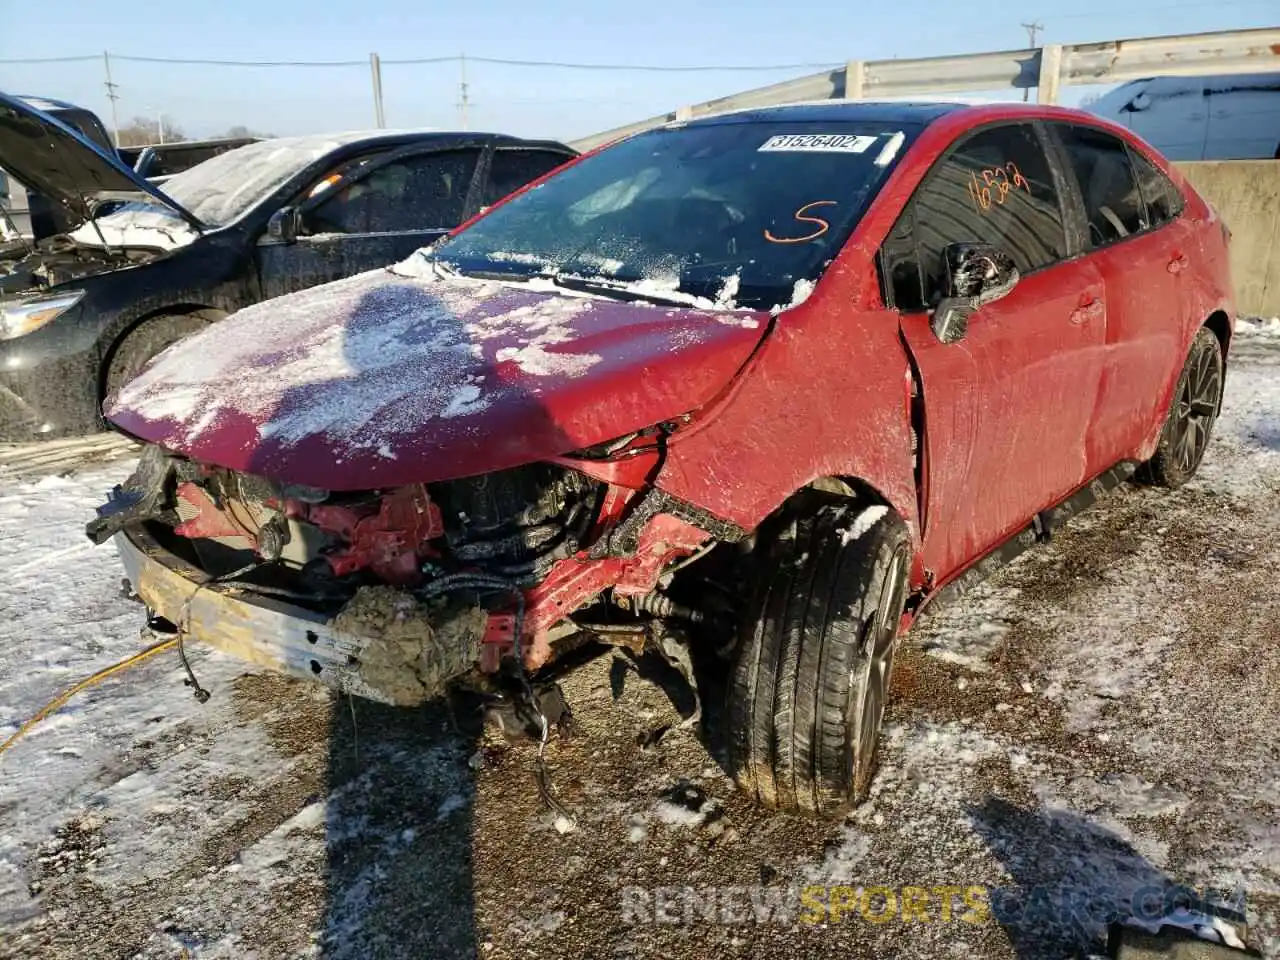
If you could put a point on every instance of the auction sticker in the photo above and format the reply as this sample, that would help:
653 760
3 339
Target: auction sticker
817 143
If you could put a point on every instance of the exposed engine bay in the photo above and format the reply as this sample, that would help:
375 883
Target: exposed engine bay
450 578
56 260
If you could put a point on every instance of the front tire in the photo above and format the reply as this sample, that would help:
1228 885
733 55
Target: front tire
812 670
1197 399
137 348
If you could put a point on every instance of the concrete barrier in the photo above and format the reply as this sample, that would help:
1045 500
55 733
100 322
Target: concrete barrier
1246 193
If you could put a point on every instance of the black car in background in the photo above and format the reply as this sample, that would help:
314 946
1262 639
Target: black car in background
160 161
81 313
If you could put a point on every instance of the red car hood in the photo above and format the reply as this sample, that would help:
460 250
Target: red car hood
381 379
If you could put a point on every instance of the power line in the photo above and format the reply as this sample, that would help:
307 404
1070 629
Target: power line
247 63
645 68
52 59
620 67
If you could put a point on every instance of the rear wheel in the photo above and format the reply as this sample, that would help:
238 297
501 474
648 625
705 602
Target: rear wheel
812 670
136 349
1196 401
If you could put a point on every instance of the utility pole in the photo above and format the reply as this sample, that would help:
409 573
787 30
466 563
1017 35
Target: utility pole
1032 28
375 69
160 125
113 97
464 101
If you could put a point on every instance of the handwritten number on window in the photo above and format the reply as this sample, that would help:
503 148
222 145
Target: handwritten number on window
991 186
822 225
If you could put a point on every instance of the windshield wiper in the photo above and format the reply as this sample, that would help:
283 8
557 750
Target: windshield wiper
613 289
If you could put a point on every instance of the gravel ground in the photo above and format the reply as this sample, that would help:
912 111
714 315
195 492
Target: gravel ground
1097 719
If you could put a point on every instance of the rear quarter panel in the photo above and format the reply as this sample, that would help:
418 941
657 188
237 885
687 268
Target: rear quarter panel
1209 288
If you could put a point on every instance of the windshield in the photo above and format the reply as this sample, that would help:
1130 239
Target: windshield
222 189
737 212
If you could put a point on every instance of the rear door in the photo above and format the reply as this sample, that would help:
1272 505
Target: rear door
1007 408
1143 247
372 213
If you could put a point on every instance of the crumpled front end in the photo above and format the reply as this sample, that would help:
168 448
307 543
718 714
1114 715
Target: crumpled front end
396 594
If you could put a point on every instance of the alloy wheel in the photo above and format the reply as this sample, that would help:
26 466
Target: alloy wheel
881 637
1197 408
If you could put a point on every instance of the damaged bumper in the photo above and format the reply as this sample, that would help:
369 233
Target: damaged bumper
384 646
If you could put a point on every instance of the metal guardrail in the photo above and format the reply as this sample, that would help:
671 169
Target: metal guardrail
1046 68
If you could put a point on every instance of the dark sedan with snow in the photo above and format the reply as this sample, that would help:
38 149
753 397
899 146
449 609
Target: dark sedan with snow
81 313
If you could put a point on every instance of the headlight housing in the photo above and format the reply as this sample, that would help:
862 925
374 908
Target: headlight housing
20 317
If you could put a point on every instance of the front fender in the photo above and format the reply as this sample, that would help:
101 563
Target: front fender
826 395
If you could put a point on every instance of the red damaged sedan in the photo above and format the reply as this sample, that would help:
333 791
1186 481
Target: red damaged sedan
779 378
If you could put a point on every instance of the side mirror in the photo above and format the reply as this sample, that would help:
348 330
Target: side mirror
1141 102
284 225
975 274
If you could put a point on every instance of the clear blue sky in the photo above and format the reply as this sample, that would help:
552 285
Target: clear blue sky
546 102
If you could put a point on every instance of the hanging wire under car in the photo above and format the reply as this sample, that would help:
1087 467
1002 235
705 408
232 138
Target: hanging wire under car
482 581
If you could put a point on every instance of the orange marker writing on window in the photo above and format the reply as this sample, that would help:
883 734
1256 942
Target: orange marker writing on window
823 225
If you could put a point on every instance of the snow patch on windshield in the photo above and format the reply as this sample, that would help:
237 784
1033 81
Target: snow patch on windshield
725 299
137 225
527 258
799 294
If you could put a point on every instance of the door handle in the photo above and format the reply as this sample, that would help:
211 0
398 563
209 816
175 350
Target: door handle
1087 311
1178 264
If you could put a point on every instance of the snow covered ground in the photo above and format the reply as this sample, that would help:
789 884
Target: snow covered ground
1097 720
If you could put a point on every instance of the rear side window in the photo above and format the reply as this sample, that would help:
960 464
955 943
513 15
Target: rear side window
512 169
1163 200
1108 184
996 187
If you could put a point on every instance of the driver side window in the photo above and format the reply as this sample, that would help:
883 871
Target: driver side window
420 192
996 187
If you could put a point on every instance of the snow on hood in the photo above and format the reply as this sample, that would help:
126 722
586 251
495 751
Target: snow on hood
382 379
137 225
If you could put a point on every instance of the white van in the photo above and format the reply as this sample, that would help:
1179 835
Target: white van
1227 117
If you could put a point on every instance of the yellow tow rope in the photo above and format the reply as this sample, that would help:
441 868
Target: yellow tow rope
58 701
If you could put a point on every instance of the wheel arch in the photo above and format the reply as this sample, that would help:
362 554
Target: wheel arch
123 331
860 490
1220 324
